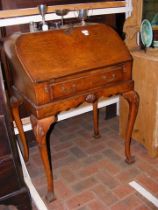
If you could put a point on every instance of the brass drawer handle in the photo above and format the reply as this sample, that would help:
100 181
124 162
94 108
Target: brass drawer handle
64 90
113 76
104 77
74 87
68 90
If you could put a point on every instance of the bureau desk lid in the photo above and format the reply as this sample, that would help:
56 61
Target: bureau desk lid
49 55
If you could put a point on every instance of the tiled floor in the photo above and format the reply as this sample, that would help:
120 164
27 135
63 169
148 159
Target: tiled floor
90 174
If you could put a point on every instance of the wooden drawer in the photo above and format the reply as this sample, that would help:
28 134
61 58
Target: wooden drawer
89 81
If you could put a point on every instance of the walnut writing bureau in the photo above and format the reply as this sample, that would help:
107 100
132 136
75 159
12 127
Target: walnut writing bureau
57 70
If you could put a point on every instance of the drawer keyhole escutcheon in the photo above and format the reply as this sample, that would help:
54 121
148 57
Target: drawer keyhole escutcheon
64 89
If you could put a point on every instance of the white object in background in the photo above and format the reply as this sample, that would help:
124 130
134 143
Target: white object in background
45 27
33 27
144 193
129 8
34 194
53 16
85 32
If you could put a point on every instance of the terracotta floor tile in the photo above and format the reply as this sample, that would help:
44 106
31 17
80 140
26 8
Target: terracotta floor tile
105 195
109 181
143 207
148 183
150 170
146 202
128 175
89 170
62 190
112 156
110 167
123 191
56 205
84 184
68 175
95 148
91 174
79 200
130 203
83 208
77 152
97 205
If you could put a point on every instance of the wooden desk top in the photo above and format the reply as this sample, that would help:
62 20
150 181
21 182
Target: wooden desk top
53 54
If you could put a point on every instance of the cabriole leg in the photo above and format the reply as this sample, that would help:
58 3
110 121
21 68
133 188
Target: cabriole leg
95 120
15 103
40 128
133 101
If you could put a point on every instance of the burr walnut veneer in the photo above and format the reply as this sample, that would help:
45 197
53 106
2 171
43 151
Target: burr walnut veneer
57 70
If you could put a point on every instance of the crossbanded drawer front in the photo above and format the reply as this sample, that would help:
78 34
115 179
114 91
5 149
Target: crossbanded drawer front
88 82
